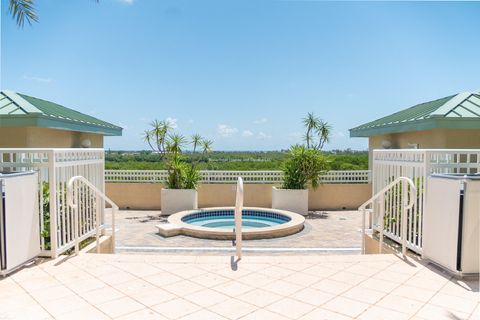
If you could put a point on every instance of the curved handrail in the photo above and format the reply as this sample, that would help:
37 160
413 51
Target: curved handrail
389 186
406 208
74 206
238 217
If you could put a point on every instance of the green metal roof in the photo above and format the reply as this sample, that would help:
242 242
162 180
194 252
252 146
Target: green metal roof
20 110
460 111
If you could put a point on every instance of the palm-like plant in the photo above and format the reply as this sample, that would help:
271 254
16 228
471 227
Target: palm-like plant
157 137
196 141
169 145
175 144
311 123
206 146
317 132
324 131
23 11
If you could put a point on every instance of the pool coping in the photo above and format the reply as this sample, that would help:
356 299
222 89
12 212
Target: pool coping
176 226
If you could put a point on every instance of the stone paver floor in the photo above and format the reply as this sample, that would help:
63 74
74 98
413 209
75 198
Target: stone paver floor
331 229
124 286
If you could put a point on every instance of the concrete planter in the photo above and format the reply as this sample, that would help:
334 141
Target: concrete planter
175 200
290 200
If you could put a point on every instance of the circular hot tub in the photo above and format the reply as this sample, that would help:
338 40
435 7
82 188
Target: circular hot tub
219 223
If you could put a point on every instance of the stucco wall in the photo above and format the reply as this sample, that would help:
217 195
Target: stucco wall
428 139
33 137
326 197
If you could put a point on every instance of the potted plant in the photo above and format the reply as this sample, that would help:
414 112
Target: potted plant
303 168
182 178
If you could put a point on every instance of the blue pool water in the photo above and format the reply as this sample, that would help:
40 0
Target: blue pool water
225 219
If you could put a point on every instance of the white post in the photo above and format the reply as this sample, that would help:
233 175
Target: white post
238 218
363 231
52 183
76 223
382 222
114 213
404 217
98 217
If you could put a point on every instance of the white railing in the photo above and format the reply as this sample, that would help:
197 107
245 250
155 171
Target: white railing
238 218
224 176
55 167
400 195
347 176
418 164
80 193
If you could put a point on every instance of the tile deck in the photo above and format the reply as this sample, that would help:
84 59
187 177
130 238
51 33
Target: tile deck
331 229
126 286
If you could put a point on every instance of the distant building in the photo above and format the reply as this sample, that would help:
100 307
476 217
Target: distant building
28 122
449 123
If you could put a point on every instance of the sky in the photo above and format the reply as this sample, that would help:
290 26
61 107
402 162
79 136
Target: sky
242 73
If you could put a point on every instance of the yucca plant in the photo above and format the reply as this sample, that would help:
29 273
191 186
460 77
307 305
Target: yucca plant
306 163
169 146
303 168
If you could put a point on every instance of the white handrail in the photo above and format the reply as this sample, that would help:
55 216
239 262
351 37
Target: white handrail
406 207
238 218
74 206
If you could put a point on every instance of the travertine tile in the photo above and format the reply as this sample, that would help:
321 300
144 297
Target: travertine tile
263 314
119 307
206 297
176 308
290 308
363 294
144 314
259 297
152 297
182 288
346 306
101 295
312 296
432 312
332 286
87 312
263 287
414 293
256 280
463 305
379 313
135 286
283 288
233 309
301 279
203 315
400 304
322 314
63 305
162 279
233 288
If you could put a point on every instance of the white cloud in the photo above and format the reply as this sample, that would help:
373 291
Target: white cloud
129 2
172 122
226 131
341 134
260 121
263 136
190 121
38 79
247 133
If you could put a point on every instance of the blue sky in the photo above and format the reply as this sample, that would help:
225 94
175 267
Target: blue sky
242 73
